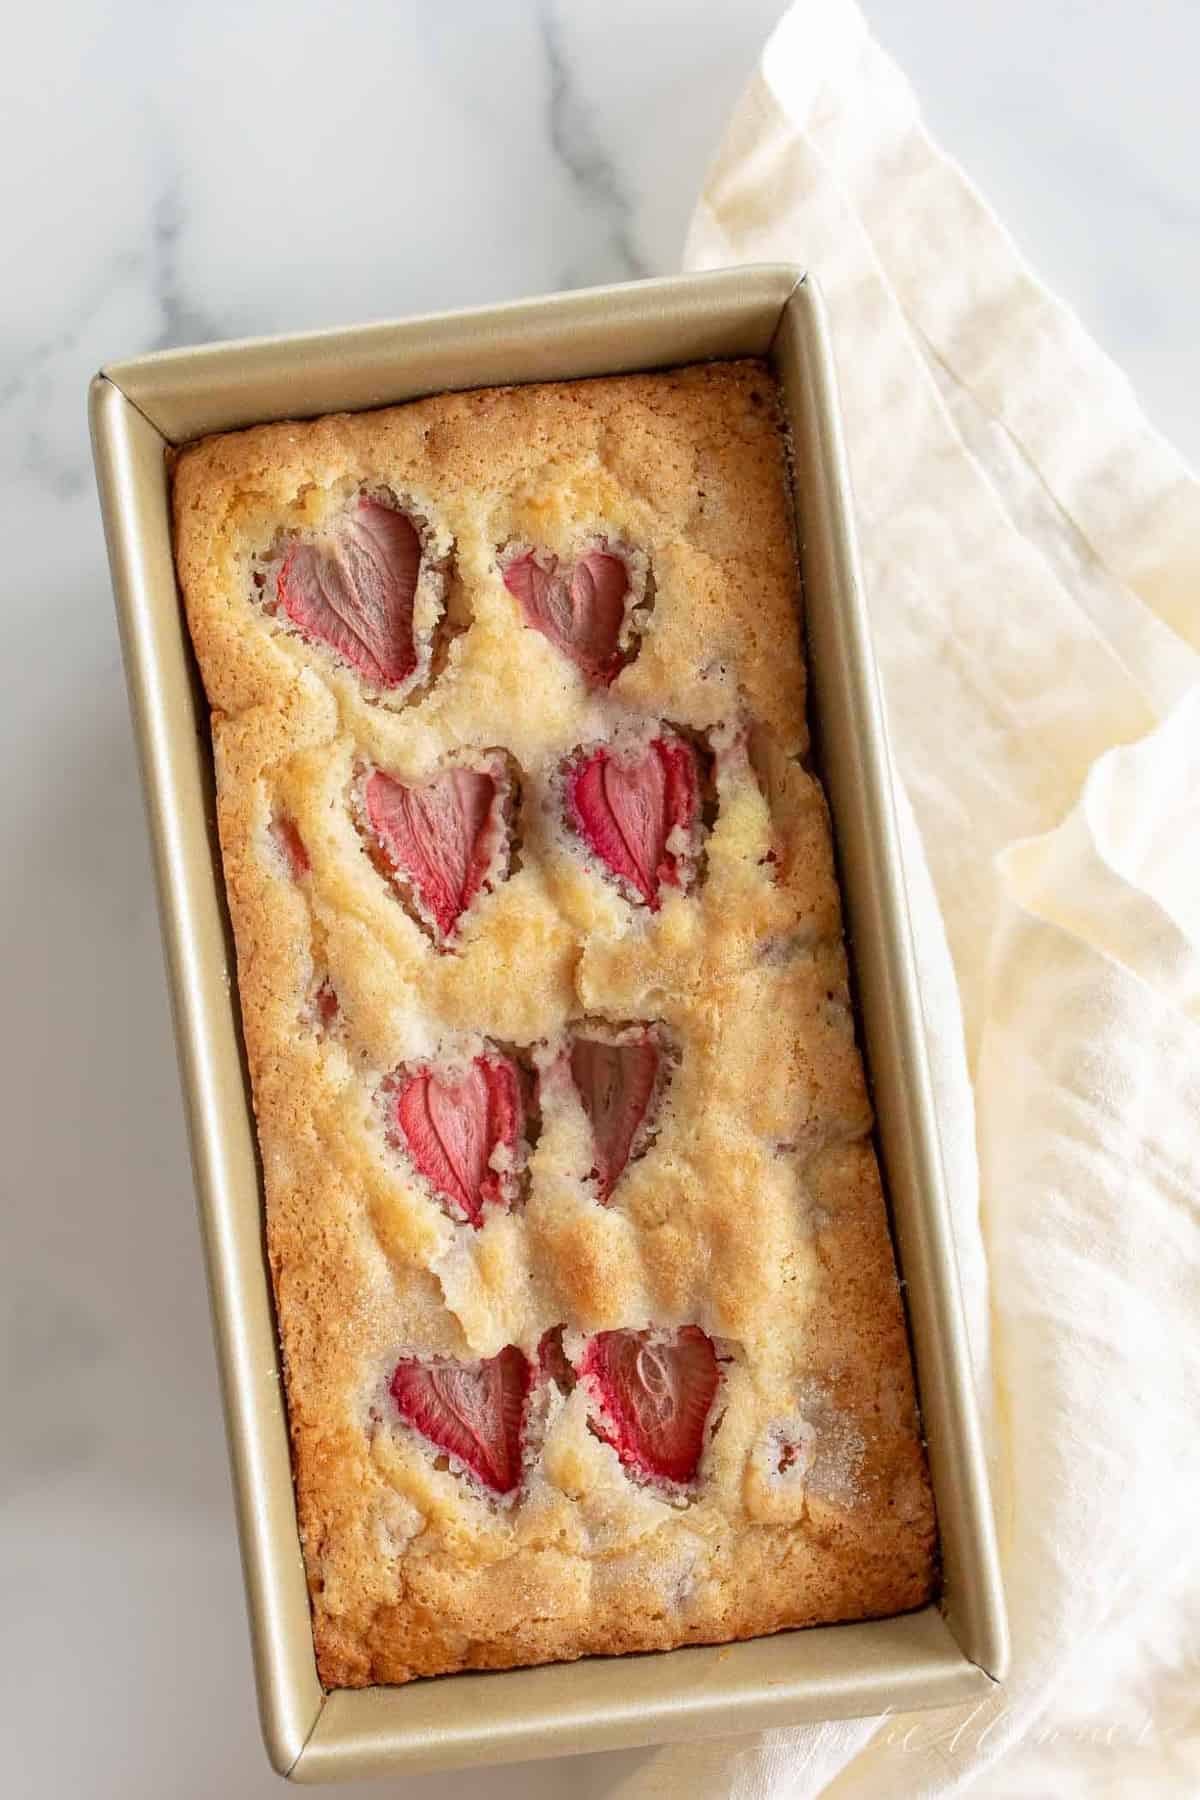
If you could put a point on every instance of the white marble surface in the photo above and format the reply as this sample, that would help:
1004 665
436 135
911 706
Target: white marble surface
194 171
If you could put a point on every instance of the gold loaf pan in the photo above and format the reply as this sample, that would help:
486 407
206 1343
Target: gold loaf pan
945 1653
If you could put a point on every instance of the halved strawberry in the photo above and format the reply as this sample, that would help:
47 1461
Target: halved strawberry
440 837
471 1411
615 1082
653 1391
580 609
627 807
286 837
452 1126
353 590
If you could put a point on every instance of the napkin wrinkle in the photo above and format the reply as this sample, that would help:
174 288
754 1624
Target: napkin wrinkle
1149 846
1151 655
1146 915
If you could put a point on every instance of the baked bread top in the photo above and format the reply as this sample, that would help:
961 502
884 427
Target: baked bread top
591 1329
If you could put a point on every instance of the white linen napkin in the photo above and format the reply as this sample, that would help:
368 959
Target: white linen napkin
1032 557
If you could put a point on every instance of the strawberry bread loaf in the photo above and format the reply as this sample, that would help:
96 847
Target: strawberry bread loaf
591 1329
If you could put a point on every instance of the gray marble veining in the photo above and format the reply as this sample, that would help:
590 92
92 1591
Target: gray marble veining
593 173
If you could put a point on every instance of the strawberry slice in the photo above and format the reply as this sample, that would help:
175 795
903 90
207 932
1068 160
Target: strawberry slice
451 1126
615 1083
353 591
580 609
626 808
285 835
471 1411
440 838
653 1390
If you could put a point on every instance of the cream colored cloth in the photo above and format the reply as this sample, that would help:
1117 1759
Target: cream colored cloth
1032 554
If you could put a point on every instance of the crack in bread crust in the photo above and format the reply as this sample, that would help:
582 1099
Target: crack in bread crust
756 1212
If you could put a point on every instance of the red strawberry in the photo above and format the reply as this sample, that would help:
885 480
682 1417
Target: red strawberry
472 1411
290 845
654 1390
440 838
626 807
580 611
451 1127
353 591
553 1363
615 1083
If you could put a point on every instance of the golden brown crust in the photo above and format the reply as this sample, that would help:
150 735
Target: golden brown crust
757 1213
